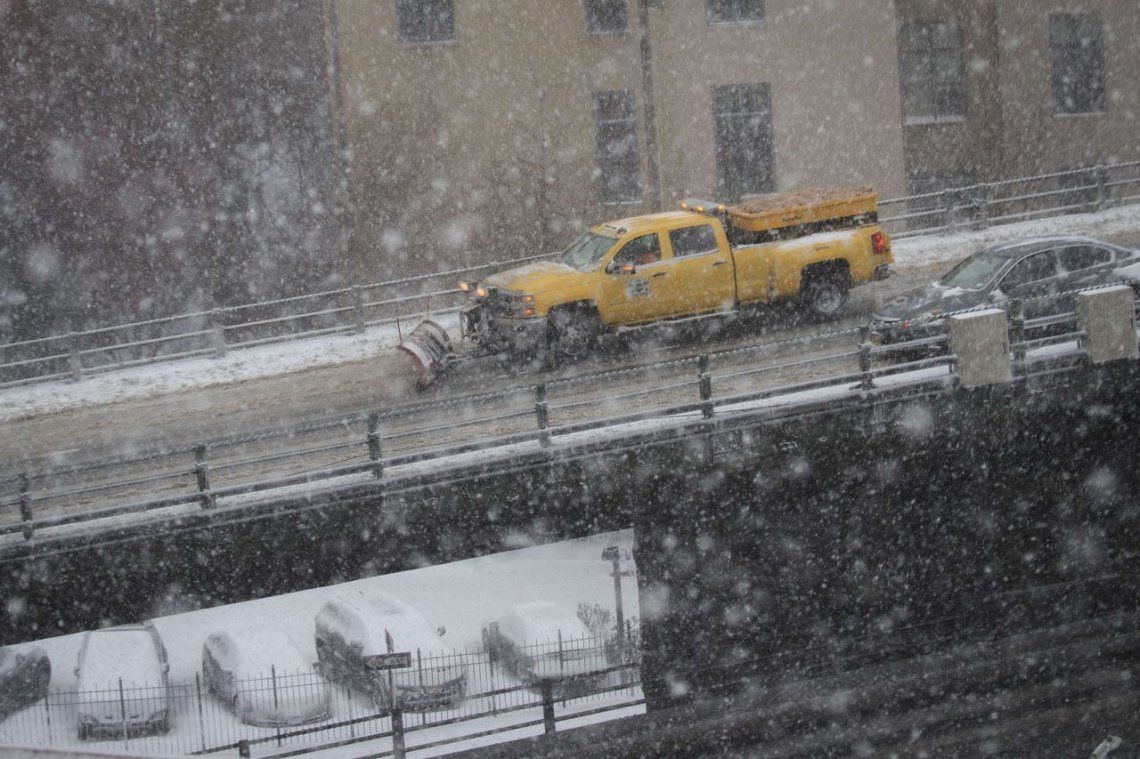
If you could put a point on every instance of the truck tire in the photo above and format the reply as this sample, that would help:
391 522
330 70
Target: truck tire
572 333
825 291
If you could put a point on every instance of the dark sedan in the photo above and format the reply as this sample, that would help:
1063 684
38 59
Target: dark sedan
1043 273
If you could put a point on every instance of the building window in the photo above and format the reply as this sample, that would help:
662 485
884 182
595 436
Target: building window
932 72
425 20
734 11
615 124
1076 49
742 126
607 16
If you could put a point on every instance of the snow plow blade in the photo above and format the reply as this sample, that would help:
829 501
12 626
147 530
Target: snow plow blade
430 346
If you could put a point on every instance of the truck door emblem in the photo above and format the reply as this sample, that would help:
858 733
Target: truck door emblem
637 288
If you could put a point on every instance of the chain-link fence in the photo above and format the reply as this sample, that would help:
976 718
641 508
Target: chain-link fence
499 687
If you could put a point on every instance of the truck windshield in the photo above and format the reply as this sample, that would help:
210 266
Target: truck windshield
586 250
976 271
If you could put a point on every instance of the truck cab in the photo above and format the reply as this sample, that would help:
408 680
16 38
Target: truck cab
705 258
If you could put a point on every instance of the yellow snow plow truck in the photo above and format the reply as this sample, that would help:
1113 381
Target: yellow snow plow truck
810 245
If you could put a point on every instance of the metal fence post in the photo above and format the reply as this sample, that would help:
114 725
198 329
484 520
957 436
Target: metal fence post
982 204
358 308
375 453
243 747
1102 190
542 414
74 357
201 714
548 724
398 749
26 507
704 382
218 332
202 475
1017 331
948 219
868 380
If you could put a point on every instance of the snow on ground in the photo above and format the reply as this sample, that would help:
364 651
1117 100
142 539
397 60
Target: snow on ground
298 355
460 596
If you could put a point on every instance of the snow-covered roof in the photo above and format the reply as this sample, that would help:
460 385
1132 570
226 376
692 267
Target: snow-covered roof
257 651
114 653
364 618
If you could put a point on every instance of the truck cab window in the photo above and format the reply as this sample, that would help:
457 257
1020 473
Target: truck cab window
693 241
639 251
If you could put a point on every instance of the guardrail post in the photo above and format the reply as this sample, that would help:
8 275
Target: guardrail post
1017 331
398 749
202 475
548 724
948 217
74 357
358 308
868 380
375 454
1102 194
542 414
704 382
982 204
26 507
218 332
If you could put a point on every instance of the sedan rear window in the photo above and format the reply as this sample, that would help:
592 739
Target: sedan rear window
975 272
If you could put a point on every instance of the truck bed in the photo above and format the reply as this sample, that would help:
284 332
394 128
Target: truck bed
805 206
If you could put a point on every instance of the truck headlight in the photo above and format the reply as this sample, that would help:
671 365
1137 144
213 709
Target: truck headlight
481 292
465 286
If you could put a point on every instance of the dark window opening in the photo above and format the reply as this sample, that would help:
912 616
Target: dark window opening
742 124
425 20
693 241
607 16
734 11
615 126
640 251
1076 50
932 71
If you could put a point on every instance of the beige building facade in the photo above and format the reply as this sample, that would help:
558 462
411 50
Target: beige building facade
482 130
1005 88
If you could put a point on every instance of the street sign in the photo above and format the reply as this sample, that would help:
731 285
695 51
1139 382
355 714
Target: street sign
398 660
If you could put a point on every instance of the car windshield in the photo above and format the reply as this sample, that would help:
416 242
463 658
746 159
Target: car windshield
976 271
586 251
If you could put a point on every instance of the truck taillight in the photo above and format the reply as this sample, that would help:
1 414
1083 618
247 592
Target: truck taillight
879 243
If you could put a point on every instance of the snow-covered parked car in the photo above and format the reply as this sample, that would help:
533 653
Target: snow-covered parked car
24 678
354 626
262 675
122 681
540 640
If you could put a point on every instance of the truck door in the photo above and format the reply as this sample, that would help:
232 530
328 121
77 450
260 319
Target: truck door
640 295
700 276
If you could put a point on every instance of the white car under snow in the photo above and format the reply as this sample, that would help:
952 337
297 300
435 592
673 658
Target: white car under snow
264 677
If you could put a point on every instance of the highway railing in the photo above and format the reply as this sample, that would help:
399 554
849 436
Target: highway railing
398 302
827 366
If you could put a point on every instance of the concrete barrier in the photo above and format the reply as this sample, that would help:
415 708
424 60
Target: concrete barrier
1108 318
980 341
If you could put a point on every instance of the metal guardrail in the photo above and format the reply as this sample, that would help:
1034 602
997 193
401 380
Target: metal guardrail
372 443
349 310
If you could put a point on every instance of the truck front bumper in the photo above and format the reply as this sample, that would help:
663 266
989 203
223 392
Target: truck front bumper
499 332
882 271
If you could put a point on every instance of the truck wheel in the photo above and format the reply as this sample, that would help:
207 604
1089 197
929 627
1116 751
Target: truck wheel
825 293
572 333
